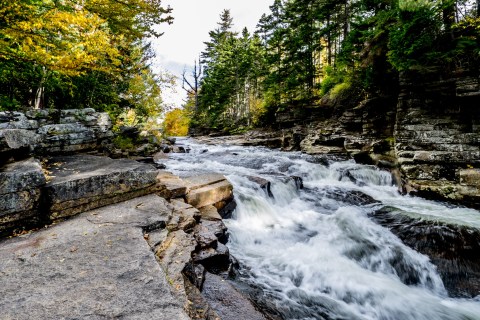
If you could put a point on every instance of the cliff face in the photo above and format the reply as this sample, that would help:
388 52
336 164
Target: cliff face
437 135
429 136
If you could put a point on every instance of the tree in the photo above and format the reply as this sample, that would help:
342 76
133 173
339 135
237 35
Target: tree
176 123
193 89
90 53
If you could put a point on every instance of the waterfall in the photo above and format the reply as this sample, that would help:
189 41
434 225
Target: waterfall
316 252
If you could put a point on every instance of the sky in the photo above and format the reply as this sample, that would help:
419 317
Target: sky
183 41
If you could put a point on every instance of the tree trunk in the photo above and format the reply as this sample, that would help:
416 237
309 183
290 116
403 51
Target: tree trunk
329 43
39 94
448 14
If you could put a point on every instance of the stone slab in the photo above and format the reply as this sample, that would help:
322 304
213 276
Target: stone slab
210 213
210 194
83 182
171 185
20 184
199 181
470 177
95 266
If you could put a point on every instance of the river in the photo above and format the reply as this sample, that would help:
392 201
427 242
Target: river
317 252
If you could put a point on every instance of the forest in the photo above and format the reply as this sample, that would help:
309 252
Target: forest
306 52
66 54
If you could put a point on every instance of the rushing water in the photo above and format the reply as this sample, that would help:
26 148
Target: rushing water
315 253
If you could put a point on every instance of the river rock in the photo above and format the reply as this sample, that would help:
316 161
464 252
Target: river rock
263 184
210 213
171 186
84 182
208 189
452 248
20 184
227 301
97 265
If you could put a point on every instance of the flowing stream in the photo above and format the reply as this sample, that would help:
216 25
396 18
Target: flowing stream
316 252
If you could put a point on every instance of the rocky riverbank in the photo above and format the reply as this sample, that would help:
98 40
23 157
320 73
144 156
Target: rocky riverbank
428 136
100 237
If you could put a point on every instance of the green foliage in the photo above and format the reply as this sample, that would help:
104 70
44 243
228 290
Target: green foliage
66 54
123 143
348 50
413 39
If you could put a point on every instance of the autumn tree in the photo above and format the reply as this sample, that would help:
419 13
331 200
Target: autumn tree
68 54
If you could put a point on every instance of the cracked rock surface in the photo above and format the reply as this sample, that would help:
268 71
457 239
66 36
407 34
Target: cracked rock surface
97 265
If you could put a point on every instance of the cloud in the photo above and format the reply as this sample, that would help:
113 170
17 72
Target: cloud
183 41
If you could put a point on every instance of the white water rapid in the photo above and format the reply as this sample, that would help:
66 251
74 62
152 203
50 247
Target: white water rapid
315 253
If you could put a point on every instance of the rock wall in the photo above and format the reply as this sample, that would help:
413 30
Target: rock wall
437 137
52 132
428 136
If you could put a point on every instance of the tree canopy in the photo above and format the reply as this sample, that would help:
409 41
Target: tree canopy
74 54
305 49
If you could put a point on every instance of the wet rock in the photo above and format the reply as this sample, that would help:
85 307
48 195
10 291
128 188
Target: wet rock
262 183
171 140
298 182
227 301
166 149
352 197
452 248
179 149
227 208
84 182
213 259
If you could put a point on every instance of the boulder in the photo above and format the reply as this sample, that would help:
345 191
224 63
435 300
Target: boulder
208 189
210 213
20 184
18 138
17 143
85 182
227 301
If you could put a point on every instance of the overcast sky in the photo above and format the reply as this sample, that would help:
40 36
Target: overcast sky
183 40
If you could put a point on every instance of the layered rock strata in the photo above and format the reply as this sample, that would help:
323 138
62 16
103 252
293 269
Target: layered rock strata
53 131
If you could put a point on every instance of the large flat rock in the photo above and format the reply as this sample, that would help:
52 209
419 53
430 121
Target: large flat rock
95 266
84 182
